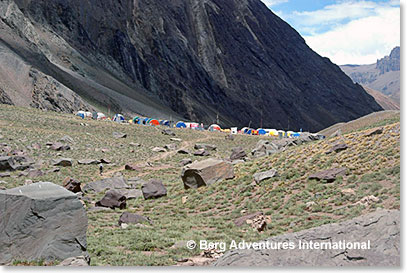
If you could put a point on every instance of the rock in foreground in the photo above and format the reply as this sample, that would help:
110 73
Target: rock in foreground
41 221
206 172
382 228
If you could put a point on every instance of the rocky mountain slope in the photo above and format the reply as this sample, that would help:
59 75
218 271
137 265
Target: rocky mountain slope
383 76
384 101
289 200
182 59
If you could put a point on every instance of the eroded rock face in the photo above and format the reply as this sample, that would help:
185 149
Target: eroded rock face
381 228
206 172
41 221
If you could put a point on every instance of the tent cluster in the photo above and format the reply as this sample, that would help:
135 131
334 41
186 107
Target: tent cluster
191 125
149 121
90 115
269 132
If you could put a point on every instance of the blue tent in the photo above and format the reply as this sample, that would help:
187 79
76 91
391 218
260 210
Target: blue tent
81 114
261 131
166 123
118 118
296 135
181 124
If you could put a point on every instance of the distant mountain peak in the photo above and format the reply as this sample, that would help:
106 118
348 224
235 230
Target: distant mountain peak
391 62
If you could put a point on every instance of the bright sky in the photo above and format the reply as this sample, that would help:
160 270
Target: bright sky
346 31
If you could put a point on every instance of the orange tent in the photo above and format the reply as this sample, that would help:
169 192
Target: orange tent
154 122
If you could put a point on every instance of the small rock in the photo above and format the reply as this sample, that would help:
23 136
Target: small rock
58 146
171 147
64 162
72 185
338 148
348 191
183 151
105 161
88 162
67 139
185 161
176 139
168 132
184 199
375 131
124 225
201 152
133 218
208 147
261 176
158 150
230 137
135 144
75 261
256 220
119 135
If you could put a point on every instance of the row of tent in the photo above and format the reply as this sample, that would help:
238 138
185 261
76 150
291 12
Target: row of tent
269 132
91 115
189 125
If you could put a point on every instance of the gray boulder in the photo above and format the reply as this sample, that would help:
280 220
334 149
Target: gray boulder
207 147
63 162
338 148
328 175
89 162
264 147
112 199
171 147
380 228
201 152
119 135
185 161
259 177
41 221
14 163
58 146
108 183
206 172
238 153
168 132
153 189
133 218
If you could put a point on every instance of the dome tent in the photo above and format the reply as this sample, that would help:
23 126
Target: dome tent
181 124
214 127
118 118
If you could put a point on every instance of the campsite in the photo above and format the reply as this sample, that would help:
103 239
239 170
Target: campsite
288 201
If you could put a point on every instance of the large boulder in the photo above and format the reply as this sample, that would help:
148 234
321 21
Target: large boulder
168 132
14 163
41 221
263 148
107 183
328 175
153 189
112 199
380 228
206 172
88 161
238 153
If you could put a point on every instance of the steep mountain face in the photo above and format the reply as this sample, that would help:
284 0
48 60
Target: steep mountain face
383 76
191 59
